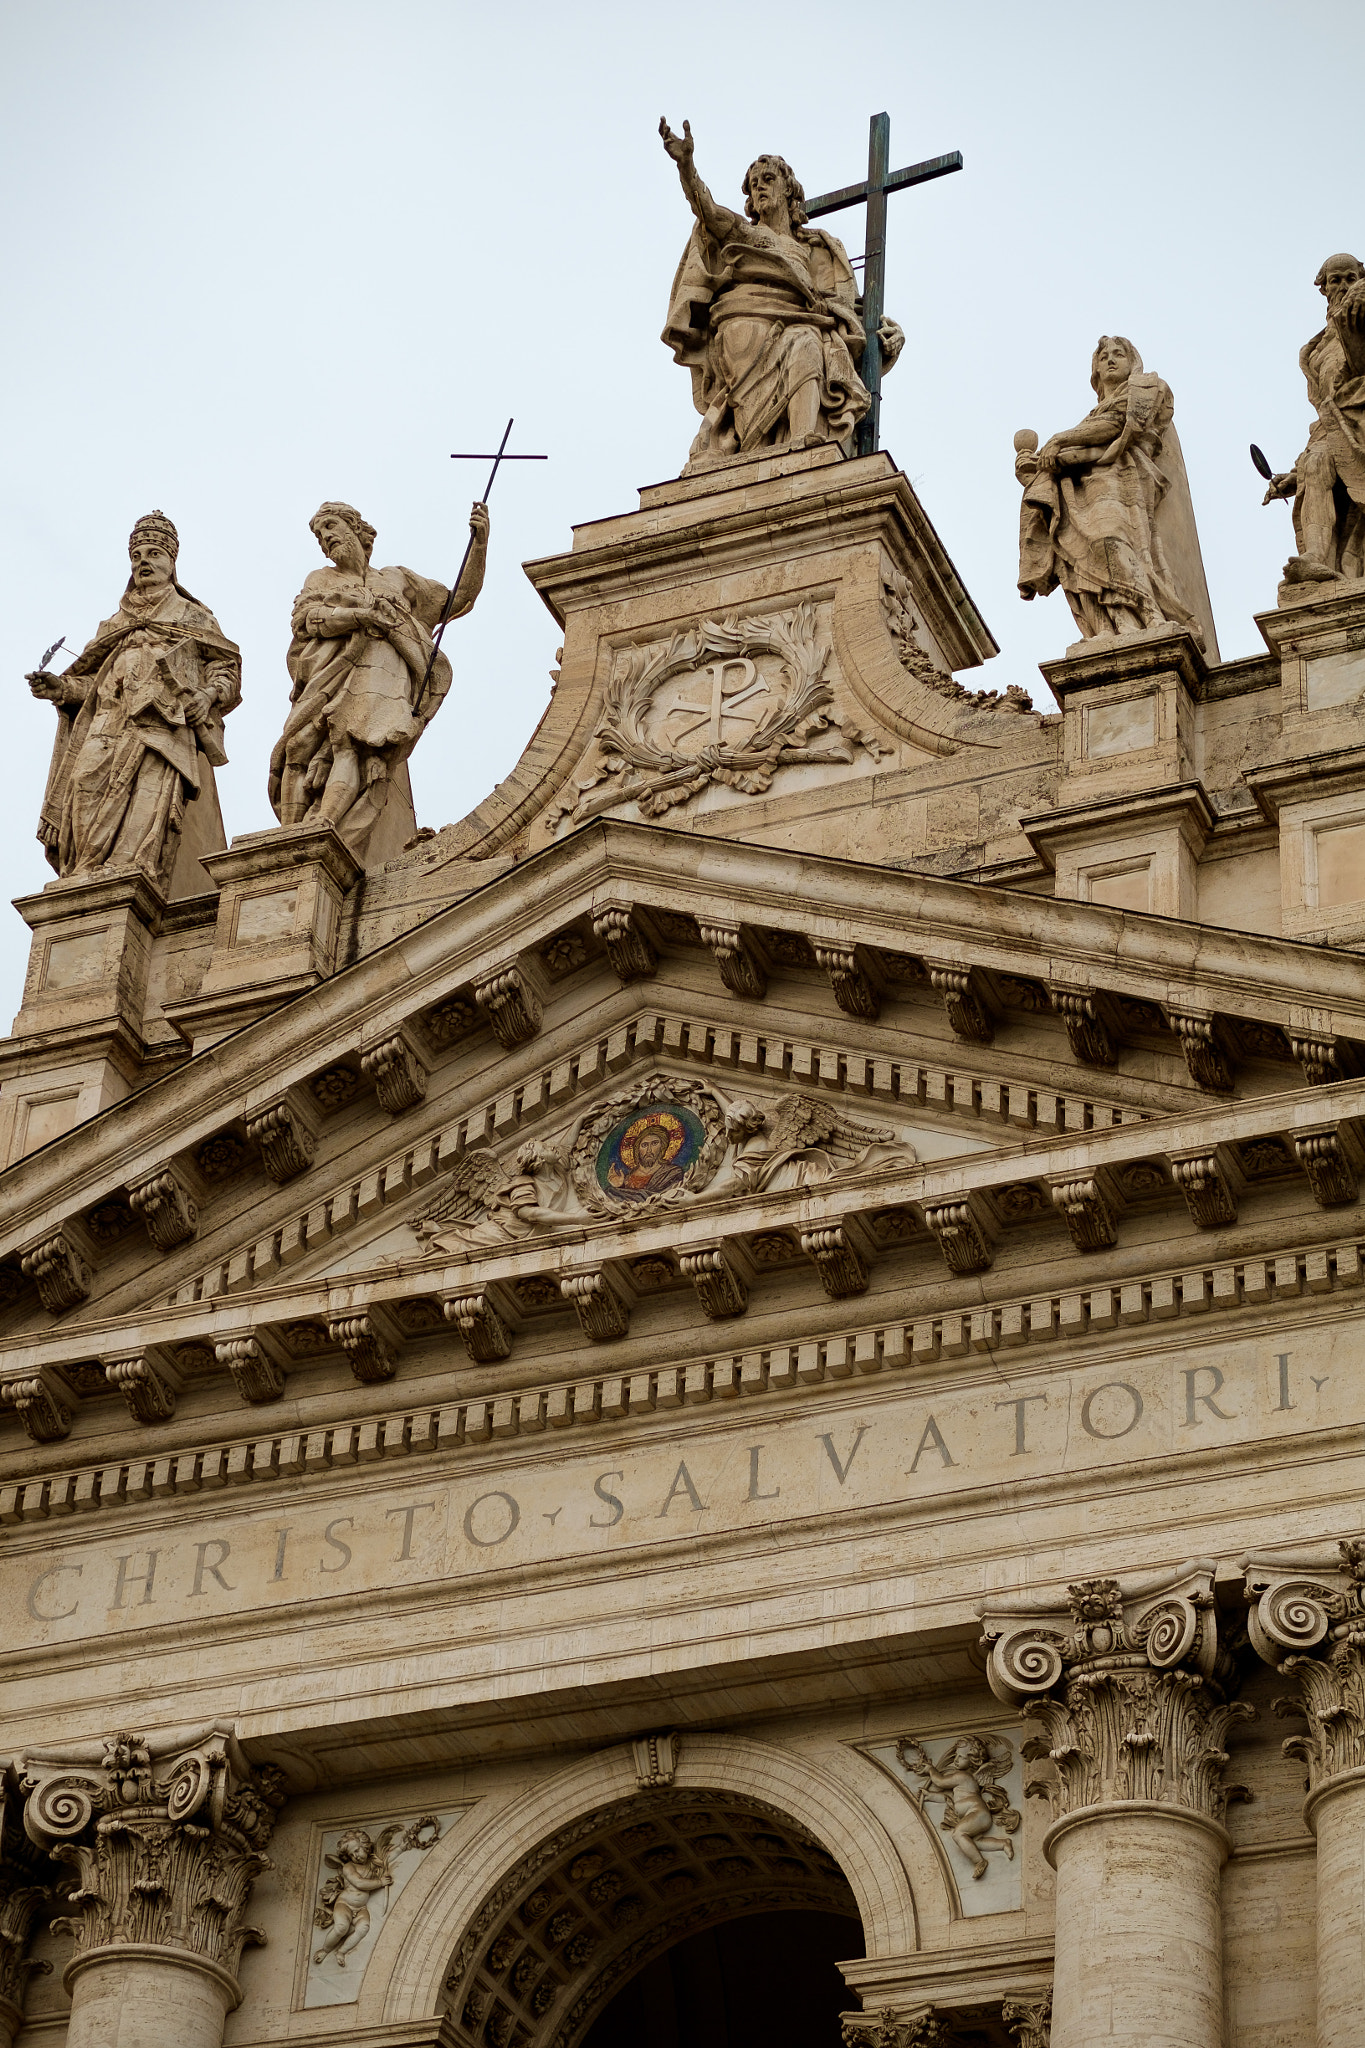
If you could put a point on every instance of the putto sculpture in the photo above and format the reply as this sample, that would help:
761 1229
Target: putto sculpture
365 685
1327 483
1107 514
140 710
764 313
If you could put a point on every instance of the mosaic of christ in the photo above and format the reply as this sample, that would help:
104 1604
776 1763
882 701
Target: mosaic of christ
649 1152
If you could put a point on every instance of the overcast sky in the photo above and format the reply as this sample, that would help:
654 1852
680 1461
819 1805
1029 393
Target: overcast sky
258 255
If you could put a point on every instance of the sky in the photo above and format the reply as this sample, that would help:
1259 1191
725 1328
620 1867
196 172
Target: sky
267 252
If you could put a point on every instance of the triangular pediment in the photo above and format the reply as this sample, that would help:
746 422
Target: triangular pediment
866 1057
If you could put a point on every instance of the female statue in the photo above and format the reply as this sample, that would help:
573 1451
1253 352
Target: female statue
1107 513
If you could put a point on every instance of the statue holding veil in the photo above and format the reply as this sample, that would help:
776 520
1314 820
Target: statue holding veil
764 313
365 684
1107 512
140 721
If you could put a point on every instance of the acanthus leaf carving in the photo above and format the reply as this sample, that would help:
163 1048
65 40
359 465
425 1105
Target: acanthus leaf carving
601 1312
1028 2016
897 2027
169 1212
1203 1045
1132 1691
967 1013
166 1844
511 1005
741 966
61 1275
719 1289
1307 1618
855 990
1331 1172
1085 1027
1203 1182
1086 1213
482 1330
838 1261
631 954
961 1239
396 1072
150 1395
255 1371
39 1405
285 1138
368 1353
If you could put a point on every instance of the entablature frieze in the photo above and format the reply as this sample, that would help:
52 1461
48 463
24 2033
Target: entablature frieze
1087 1315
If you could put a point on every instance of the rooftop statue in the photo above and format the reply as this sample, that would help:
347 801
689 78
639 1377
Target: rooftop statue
1107 512
764 313
359 661
139 710
1327 483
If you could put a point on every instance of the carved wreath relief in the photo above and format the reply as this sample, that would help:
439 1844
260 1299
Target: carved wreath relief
728 700
664 1142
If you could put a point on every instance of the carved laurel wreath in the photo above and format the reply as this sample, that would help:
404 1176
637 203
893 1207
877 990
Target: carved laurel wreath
593 1131
801 642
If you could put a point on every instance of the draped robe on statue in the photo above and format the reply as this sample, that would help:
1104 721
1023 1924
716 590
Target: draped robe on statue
359 688
126 758
754 319
1336 444
1115 529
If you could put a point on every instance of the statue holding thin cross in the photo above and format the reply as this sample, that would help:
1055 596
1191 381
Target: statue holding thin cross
764 312
367 678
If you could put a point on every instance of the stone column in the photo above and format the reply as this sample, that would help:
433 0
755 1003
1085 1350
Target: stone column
166 1843
23 1889
1307 1619
1132 1691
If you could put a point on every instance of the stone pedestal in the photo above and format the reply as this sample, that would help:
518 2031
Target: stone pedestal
1132 1693
77 1042
1308 1620
278 930
1131 821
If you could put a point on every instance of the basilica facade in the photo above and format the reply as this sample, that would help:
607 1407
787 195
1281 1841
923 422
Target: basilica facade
722 1401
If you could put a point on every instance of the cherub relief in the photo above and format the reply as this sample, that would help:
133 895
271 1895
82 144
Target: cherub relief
362 1866
973 1802
482 1204
803 1142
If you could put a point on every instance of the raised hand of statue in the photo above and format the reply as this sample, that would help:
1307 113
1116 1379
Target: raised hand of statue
478 523
679 147
1282 485
891 335
44 684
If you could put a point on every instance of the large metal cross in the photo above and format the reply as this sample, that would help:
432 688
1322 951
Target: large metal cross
879 182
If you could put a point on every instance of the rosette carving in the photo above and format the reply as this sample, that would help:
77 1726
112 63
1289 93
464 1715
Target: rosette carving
1307 1618
165 1845
1132 1691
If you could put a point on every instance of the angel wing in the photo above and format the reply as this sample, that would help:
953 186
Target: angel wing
999 1757
465 1196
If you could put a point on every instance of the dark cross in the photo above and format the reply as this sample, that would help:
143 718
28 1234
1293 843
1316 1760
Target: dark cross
874 192
444 620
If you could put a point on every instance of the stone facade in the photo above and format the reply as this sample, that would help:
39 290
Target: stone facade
675 1352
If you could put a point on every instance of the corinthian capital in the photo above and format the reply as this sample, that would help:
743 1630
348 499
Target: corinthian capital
1131 1688
167 1840
897 2027
24 1886
1307 1618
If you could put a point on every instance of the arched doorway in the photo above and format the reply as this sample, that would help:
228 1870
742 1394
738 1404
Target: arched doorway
770 1980
586 1913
